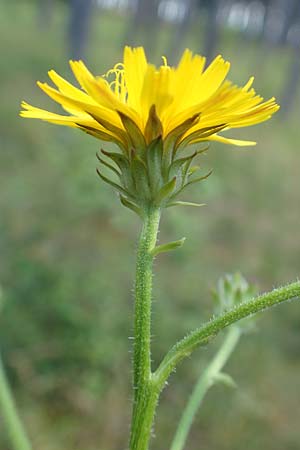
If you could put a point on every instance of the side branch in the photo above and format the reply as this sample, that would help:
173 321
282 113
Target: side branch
201 336
14 427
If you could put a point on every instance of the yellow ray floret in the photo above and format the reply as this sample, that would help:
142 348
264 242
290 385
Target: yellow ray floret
189 101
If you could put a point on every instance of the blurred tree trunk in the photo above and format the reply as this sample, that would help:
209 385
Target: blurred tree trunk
264 52
291 84
143 28
80 19
211 36
279 16
45 9
289 9
145 12
181 30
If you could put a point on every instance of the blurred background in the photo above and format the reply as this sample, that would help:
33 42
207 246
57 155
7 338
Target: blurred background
68 247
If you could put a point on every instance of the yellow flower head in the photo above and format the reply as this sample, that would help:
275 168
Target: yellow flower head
187 94
136 103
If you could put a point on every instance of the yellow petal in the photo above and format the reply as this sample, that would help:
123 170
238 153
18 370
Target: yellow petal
225 140
135 67
177 94
79 106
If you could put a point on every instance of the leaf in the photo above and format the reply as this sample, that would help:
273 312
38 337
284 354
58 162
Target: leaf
165 191
124 166
198 134
171 139
130 205
102 135
136 136
178 163
105 163
180 203
179 131
140 177
154 154
185 172
196 180
167 247
121 135
185 169
113 184
153 128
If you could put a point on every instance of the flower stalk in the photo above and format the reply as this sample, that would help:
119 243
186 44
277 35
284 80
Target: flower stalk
14 426
203 335
148 385
145 399
211 375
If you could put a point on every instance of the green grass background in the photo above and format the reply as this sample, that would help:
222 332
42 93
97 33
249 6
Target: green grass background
68 248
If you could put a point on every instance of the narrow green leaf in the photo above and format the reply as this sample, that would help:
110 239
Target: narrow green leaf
171 139
140 177
196 180
113 184
122 162
188 162
165 191
167 247
199 134
136 136
153 128
180 203
121 135
130 205
179 131
185 172
105 163
102 135
154 153
178 163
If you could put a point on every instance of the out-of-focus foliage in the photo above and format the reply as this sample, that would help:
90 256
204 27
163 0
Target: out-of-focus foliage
67 253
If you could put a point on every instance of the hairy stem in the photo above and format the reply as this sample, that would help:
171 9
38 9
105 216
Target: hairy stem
11 419
147 385
201 336
205 381
145 393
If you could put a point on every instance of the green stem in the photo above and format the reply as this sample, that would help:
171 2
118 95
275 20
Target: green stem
147 385
15 429
201 336
145 393
206 380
